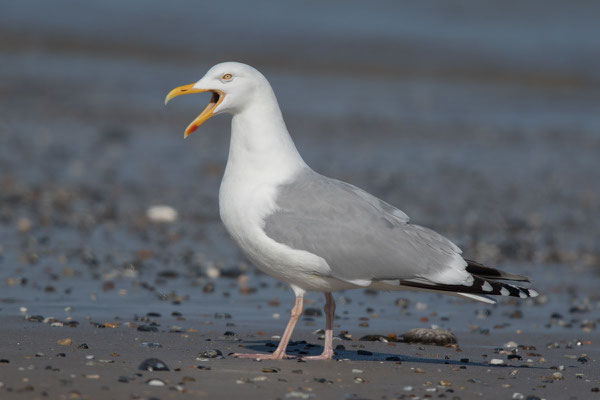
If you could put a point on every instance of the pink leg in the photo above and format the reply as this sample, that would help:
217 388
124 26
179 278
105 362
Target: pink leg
279 353
329 315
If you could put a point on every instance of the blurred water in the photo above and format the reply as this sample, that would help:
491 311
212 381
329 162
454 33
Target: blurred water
479 119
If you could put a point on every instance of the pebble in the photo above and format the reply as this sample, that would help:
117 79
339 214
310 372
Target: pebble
357 371
161 213
437 337
496 361
153 364
270 370
557 376
299 395
151 344
403 303
64 342
518 396
209 288
155 382
210 354
147 328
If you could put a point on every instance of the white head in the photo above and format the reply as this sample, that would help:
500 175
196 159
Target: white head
234 86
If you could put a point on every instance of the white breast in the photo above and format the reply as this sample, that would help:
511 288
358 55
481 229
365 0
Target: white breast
262 156
244 202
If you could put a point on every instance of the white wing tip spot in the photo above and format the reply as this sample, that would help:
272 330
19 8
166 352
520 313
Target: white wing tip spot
522 294
504 292
486 287
533 293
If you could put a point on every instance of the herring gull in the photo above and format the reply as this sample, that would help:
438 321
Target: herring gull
314 232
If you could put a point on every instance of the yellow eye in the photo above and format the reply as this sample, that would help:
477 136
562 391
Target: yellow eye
226 77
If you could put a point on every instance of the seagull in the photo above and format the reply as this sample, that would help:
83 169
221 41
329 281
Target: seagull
317 233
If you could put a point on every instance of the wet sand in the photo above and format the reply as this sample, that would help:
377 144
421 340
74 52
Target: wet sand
545 349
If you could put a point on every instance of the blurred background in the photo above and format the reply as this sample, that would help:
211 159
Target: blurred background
478 119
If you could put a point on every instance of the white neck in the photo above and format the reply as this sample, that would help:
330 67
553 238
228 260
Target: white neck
261 146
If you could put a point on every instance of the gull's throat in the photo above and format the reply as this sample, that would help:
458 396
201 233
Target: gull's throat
216 99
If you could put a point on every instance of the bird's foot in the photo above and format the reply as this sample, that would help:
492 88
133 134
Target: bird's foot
326 355
264 356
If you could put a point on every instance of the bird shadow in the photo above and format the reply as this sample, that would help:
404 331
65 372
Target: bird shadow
303 349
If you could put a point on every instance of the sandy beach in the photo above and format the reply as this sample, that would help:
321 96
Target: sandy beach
534 350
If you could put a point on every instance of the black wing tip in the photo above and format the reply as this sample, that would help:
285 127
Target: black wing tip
479 286
480 270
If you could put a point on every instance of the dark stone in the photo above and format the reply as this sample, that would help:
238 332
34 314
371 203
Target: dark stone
153 364
153 314
147 328
169 274
437 337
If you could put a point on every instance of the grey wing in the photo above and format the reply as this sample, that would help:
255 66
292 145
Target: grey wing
360 237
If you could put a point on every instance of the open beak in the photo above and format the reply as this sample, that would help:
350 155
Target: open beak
215 100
